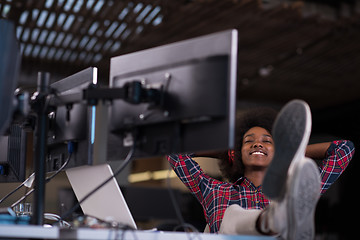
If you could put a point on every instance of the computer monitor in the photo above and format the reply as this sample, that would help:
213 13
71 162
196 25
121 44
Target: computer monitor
13 148
9 71
197 78
74 122
12 143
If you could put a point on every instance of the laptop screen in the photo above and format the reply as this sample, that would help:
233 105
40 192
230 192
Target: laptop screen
108 202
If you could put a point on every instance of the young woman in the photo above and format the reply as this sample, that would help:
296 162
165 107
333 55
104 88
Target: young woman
246 166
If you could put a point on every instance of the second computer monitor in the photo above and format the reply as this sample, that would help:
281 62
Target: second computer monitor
76 124
197 108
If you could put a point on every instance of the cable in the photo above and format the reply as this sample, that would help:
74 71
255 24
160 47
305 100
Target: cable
117 172
175 204
30 178
22 198
183 224
173 200
47 180
55 217
70 151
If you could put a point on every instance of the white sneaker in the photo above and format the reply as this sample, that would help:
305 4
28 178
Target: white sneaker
292 181
293 216
291 132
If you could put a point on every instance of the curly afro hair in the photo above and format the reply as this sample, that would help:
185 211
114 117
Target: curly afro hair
256 117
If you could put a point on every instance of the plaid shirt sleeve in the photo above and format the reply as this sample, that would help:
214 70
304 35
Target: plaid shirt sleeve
337 159
192 175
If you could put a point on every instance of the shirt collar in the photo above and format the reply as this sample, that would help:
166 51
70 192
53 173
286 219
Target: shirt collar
244 181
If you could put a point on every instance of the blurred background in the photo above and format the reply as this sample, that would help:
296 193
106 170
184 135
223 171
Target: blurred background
288 49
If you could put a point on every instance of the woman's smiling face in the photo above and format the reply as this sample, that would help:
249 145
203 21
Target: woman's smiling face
258 148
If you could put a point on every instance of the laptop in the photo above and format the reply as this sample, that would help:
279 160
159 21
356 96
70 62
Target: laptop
108 202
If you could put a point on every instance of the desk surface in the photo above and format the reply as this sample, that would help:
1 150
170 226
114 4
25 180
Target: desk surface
37 232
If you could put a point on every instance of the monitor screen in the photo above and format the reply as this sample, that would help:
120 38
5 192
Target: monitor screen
197 81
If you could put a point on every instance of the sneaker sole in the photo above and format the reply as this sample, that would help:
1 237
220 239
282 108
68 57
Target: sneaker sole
304 192
291 134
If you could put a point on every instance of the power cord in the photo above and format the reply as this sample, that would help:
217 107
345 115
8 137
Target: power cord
186 226
173 200
70 151
28 183
55 217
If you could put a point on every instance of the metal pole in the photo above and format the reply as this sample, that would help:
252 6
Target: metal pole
40 147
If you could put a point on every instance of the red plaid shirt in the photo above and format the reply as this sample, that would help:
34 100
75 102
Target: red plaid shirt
215 196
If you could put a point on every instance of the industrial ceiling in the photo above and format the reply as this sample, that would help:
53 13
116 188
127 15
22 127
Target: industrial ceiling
287 49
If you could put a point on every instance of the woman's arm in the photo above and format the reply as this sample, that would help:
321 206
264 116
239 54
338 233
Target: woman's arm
190 173
336 159
317 151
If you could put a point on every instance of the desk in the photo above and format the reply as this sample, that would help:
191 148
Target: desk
28 232
38 232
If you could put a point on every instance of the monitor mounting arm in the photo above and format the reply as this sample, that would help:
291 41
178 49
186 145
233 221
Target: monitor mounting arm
132 92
